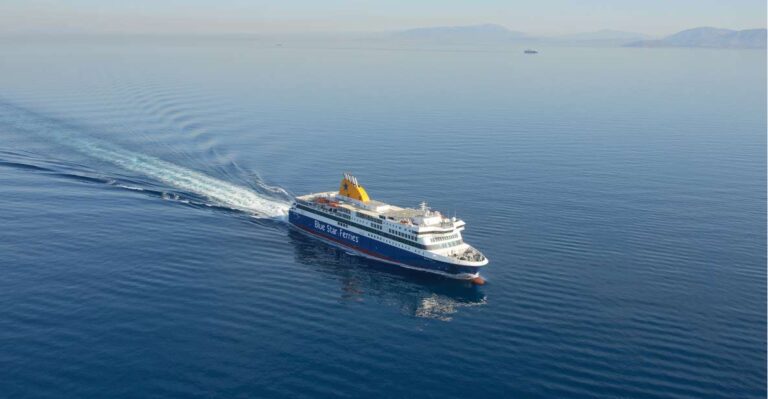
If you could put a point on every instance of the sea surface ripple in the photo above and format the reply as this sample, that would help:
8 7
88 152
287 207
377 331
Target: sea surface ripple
619 194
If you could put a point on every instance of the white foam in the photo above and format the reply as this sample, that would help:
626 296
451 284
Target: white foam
442 307
219 192
222 193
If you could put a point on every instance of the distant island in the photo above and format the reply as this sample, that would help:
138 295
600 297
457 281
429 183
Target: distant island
497 34
709 37
490 33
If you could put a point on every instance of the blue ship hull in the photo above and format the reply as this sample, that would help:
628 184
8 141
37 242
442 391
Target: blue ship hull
377 249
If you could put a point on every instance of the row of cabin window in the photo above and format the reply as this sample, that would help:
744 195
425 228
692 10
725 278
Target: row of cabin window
443 238
348 217
366 217
449 244
394 243
374 221
345 216
397 244
401 234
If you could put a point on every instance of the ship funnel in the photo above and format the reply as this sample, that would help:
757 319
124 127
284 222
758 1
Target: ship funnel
352 189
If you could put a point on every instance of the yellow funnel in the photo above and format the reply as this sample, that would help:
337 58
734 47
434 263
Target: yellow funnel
351 188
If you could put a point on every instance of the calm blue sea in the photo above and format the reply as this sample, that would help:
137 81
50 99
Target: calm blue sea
620 194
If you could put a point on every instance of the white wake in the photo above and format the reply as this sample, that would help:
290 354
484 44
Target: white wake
219 192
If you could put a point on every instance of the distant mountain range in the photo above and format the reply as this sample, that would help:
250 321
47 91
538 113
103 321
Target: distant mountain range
491 33
709 37
499 33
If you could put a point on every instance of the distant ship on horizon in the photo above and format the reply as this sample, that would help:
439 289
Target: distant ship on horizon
529 51
420 239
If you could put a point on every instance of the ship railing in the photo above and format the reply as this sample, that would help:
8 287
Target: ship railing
470 254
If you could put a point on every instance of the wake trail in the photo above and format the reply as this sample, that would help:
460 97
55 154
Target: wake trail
220 192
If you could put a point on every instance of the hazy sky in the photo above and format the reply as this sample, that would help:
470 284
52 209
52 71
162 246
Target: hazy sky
656 17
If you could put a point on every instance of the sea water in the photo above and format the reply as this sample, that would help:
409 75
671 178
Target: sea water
619 194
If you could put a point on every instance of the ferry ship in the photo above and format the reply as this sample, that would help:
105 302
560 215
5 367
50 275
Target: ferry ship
420 239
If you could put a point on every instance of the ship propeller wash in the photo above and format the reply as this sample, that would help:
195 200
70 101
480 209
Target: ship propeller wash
420 239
